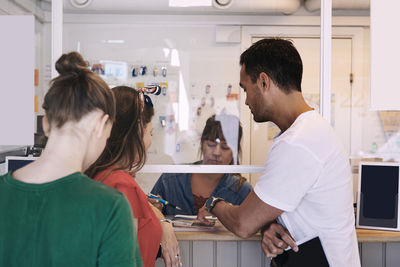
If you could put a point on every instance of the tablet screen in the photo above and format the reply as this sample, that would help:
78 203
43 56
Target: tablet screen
379 195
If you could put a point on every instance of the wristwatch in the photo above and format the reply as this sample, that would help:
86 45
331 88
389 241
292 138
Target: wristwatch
211 202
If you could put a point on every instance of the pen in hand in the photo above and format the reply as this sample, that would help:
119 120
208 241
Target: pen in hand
165 202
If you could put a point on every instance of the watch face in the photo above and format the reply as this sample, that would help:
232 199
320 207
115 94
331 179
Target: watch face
209 201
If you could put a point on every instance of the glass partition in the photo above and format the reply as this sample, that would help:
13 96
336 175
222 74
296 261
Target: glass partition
197 78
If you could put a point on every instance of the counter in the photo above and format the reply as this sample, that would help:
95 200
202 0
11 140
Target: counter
363 235
221 248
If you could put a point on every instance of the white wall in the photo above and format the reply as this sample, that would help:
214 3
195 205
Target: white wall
385 89
17 55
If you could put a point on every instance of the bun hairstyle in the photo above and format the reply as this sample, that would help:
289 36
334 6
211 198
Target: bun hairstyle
76 92
71 63
125 146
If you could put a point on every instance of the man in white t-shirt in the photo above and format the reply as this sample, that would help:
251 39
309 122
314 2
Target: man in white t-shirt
307 185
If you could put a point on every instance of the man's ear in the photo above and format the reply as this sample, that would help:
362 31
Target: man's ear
46 126
101 124
264 81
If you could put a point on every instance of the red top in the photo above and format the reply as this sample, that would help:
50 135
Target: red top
149 227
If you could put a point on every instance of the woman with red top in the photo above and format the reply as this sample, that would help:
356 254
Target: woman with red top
125 154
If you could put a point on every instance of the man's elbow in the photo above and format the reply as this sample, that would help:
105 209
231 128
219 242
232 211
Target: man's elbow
243 234
241 230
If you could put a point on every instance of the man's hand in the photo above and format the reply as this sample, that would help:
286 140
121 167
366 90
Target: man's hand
201 215
275 239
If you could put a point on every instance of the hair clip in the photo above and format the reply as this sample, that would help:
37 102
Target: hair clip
147 101
144 99
154 89
141 96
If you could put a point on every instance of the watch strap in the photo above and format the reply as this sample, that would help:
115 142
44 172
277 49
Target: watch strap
214 201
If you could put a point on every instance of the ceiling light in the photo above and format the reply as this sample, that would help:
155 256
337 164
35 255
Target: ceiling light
222 4
80 3
189 3
116 41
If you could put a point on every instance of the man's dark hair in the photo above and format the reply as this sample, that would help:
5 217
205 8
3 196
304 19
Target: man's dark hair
278 58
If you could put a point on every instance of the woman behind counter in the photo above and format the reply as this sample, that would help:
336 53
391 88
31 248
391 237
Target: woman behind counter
125 154
53 214
190 191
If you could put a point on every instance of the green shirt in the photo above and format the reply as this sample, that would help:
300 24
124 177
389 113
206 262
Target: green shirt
72 221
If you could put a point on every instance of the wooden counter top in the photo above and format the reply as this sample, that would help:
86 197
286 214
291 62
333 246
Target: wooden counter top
212 236
221 234
367 235
217 233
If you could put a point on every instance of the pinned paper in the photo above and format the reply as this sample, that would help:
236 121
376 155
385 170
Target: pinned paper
203 101
139 85
229 95
135 71
36 103
164 87
163 121
36 77
170 124
142 70
198 112
229 89
172 97
208 87
155 71
98 69
164 71
232 97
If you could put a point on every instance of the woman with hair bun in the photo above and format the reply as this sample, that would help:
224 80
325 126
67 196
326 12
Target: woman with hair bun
53 214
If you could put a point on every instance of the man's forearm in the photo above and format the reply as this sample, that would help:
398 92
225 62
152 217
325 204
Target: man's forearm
230 216
248 218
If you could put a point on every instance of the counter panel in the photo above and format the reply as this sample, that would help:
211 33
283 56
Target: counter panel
223 249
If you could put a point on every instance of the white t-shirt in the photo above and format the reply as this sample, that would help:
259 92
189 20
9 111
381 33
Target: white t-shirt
307 175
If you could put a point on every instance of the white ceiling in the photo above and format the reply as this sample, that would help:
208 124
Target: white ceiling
236 6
